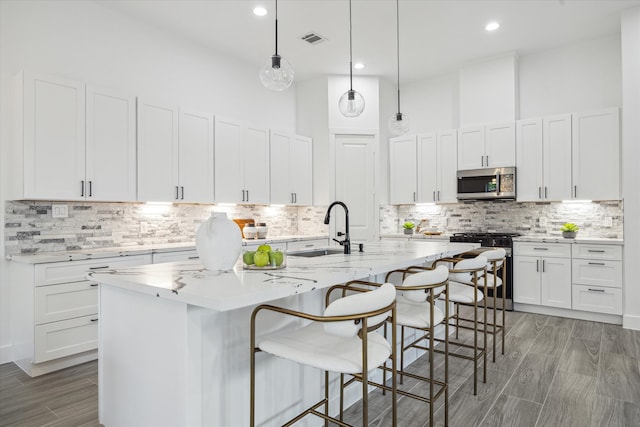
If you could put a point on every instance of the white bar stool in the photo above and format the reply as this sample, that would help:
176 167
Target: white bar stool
342 340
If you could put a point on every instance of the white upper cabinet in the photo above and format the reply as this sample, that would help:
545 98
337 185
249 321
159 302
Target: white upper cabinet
53 126
529 160
110 146
78 141
596 155
556 157
403 176
423 168
490 146
157 152
241 163
291 169
195 157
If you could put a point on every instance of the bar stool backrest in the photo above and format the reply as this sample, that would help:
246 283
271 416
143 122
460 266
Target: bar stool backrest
364 302
426 278
497 255
458 273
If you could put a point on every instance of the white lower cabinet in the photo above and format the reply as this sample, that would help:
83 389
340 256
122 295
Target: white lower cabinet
597 278
542 274
58 325
307 244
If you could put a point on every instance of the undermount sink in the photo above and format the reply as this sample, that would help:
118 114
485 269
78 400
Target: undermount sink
316 252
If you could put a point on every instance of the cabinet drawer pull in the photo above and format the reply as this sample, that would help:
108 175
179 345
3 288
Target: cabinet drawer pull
177 192
545 192
597 263
99 268
194 257
94 320
537 265
540 249
81 188
93 285
543 266
599 251
595 290
434 196
539 192
90 188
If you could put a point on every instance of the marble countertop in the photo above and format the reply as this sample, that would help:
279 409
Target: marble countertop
416 236
136 249
560 239
190 283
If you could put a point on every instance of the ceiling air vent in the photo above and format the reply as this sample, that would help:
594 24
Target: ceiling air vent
313 38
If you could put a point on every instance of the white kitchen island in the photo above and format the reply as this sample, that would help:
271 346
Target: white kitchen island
174 337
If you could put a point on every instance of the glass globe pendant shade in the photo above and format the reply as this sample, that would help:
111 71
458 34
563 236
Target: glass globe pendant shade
398 124
276 73
351 103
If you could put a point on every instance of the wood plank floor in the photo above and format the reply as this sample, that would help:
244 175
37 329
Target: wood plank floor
555 372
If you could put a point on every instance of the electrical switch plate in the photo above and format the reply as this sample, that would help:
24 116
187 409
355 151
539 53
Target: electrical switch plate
543 221
608 221
59 210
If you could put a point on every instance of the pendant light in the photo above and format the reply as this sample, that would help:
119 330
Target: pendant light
276 73
351 103
398 122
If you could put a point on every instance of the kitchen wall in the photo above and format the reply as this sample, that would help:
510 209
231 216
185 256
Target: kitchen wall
509 216
86 41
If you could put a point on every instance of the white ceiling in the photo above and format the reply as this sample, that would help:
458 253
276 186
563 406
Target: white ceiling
435 35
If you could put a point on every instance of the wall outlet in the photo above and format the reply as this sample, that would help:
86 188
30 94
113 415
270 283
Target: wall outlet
608 221
543 221
59 210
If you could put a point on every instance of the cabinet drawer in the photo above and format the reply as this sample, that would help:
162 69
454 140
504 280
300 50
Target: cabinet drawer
175 256
307 244
556 250
597 273
597 299
67 301
610 252
76 271
60 339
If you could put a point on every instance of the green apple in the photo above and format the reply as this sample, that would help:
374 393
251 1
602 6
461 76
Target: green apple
261 259
264 248
276 257
248 257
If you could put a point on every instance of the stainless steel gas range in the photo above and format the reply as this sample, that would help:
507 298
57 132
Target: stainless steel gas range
494 240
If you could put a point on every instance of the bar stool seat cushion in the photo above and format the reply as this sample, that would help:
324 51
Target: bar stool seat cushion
313 346
492 281
415 314
463 293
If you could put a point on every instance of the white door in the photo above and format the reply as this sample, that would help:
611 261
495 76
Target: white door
229 176
556 150
471 148
302 170
280 168
596 155
500 145
157 152
427 168
403 172
111 146
529 160
447 166
54 138
355 186
255 142
195 158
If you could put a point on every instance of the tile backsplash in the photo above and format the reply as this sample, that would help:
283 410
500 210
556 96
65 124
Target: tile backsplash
30 228
525 218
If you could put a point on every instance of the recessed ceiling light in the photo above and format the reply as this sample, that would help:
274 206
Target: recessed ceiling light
492 26
259 11
358 65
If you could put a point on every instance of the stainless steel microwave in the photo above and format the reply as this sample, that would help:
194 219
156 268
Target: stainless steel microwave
482 184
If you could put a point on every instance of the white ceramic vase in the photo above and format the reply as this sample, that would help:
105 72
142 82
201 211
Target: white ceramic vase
218 242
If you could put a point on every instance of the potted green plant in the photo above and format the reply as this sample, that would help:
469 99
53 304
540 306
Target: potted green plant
569 230
408 227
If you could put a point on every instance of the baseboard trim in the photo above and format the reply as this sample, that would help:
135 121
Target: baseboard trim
6 353
631 322
572 314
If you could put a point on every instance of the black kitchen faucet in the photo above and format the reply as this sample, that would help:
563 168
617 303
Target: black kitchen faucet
346 243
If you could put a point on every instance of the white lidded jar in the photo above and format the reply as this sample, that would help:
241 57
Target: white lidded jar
218 242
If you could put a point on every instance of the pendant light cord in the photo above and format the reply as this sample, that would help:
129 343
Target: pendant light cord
276 27
398 48
350 50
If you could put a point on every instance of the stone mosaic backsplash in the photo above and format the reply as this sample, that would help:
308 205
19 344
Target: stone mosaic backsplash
525 218
30 228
